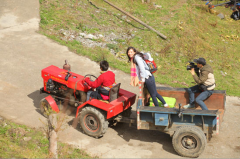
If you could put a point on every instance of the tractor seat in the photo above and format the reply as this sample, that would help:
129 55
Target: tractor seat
113 93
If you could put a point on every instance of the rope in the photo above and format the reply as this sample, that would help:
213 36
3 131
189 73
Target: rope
140 89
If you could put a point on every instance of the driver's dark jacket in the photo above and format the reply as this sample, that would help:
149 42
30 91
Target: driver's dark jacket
105 79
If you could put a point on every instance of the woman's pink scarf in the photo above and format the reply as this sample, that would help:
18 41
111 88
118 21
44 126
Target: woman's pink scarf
134 78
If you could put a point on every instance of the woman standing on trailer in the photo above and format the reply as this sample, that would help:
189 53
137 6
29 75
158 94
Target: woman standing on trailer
144 75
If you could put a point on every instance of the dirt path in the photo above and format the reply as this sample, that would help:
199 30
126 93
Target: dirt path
24 53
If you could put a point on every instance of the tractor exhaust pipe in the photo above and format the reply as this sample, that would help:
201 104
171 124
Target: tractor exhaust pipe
66 66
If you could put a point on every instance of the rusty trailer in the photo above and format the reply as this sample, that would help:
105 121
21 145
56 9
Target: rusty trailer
190 128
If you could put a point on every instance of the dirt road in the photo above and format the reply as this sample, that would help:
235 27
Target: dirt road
24 53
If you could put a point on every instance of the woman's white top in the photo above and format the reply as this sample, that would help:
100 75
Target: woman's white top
142 69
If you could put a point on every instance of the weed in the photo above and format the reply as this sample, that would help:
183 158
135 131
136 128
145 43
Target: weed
14 144
113 47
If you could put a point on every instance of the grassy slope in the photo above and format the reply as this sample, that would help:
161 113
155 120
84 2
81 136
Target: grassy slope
14 145
191 29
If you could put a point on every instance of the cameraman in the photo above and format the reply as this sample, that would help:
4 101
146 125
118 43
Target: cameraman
206 84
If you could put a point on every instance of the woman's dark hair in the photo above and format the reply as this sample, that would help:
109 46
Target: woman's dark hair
104 65
136 53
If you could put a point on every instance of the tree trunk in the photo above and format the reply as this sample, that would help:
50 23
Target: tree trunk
53 136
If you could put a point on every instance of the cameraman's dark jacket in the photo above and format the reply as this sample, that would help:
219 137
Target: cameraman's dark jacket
206 77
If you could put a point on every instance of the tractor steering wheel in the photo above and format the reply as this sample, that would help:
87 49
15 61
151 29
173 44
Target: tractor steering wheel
89 75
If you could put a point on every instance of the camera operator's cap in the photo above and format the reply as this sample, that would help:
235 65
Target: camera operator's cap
200 61
147 56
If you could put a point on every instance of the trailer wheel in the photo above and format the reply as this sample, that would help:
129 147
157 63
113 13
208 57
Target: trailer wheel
93 122
189 141
45 108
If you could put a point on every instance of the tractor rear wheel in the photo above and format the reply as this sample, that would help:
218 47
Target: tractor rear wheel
189 141
93 121
45 108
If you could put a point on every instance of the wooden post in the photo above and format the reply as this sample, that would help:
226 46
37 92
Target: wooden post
139 104
139 21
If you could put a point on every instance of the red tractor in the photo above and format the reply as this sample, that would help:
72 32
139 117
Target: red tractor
93 115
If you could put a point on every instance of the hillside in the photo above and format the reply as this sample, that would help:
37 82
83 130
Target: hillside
95 29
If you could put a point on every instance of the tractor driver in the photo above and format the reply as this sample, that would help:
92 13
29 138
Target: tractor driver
103 83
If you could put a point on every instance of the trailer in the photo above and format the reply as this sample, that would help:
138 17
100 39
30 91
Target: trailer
190 129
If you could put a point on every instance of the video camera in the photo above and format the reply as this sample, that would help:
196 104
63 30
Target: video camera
191 65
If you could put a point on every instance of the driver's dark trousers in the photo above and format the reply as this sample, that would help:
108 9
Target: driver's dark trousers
99 90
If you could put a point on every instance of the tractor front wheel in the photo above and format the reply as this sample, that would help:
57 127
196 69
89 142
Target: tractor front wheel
45 108
93 121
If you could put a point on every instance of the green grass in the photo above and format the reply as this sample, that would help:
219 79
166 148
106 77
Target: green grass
191 29
13 144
